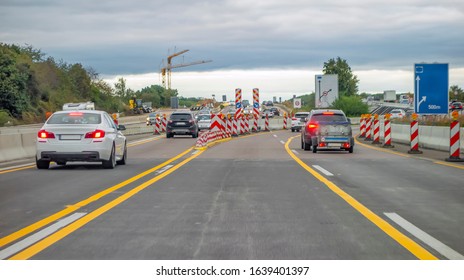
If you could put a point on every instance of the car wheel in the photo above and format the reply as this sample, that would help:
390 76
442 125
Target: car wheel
314 149
293 130
61 162
42 164
168 135
351 149
124 156
111 163
306 146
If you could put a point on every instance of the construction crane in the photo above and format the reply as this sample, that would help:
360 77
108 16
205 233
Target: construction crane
166 71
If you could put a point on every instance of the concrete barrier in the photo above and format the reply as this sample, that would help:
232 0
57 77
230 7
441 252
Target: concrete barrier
431 137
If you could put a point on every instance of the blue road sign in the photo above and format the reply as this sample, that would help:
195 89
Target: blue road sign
238 105
256 105
431 88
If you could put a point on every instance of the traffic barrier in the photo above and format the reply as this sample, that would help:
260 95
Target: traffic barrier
164 123
238 103
376 134
255 109
414 136
387 132
266 124
156 127
454 139
235 127
229 125
285 121
368 128
363 126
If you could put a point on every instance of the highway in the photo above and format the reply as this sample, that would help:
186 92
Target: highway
252 197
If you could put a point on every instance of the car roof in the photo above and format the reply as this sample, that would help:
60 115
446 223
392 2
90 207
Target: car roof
321 111
302 113
83 111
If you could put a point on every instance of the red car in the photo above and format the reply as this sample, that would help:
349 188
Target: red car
456 106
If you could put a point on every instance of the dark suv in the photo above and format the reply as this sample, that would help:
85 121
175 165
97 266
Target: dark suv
327 130
182 122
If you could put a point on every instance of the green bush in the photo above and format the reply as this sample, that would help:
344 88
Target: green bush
351 105
5 118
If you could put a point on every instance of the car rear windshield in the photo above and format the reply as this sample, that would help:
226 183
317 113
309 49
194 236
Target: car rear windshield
75 118
181 117
204 117
329 118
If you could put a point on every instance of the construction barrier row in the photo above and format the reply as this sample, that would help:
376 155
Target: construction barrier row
372 134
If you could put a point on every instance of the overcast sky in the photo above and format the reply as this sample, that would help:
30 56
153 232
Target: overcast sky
277 46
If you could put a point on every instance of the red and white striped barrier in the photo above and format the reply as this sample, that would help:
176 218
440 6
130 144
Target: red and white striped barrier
266 124
255 109
368 128
387 132
376 134
235 128
164 123
255 123
285 121
414 136
454 139
238 100
363 126
156 127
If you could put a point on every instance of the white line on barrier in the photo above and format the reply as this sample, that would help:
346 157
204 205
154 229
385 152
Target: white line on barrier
425 237
21 245
327 173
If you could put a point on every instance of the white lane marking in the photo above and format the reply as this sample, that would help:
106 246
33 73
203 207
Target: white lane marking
196 151
295 152
425 237
327 173
282 142
164 169
23 244
275 136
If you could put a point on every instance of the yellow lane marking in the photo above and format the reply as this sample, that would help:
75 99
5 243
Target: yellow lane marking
403 240
71 208
17 169
55 237
449 164
140 142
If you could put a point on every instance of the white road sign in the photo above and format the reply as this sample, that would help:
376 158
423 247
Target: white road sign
326 90
297 103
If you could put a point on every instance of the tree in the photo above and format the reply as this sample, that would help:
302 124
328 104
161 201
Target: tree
347 82
456 93
351 105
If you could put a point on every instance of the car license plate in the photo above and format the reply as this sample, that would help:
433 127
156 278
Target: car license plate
180 123
70 137
333 145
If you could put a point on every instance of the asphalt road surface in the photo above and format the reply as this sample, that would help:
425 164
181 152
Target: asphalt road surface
253 197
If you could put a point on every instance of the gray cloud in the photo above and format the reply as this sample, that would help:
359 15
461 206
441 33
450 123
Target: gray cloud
117 37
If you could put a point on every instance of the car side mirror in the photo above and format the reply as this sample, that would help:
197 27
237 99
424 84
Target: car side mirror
121 127
349 120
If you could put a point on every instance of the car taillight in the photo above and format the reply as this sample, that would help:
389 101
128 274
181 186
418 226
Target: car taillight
328 113
96 134
170 121
312 125
43 134
294 119
346 145
191 121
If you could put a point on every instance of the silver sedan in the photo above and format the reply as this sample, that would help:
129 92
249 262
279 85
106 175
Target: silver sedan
84 135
